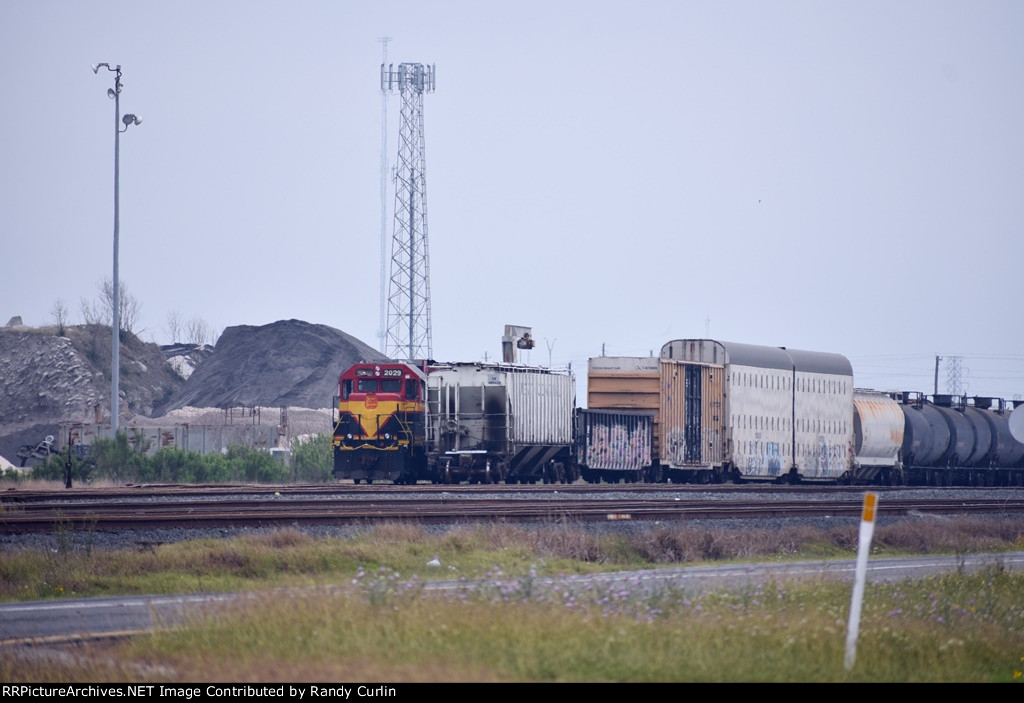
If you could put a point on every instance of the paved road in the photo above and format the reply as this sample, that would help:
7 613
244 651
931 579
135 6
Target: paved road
63 620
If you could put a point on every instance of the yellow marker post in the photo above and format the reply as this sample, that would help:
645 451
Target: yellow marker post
867 529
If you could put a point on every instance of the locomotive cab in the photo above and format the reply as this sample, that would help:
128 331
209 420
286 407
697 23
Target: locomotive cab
380 428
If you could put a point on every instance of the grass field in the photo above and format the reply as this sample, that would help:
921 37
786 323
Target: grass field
376 623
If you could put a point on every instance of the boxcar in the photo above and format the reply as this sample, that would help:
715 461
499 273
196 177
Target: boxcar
746 411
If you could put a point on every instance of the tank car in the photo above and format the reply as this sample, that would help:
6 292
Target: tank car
954 440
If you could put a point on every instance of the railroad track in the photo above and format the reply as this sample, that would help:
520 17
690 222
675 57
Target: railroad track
91 511
192 491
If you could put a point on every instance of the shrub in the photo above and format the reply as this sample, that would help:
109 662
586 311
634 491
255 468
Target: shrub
53 469
312 461
119 459
249 464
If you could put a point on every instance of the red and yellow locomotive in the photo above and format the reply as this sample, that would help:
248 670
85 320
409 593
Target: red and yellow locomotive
380 433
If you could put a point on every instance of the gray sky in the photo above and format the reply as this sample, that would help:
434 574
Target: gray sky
831 176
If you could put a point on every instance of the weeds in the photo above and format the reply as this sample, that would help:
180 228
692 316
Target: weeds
63 534
291 557
504 618
954 628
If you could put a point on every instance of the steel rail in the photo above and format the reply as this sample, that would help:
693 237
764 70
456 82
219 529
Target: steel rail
284 512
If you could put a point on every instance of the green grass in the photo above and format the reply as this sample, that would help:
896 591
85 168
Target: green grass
266 560
955 628
363 614
73 567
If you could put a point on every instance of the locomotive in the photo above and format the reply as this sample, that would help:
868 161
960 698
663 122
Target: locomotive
703 411
477 422
379 431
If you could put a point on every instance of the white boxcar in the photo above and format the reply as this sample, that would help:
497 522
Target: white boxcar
786 411
823 409
493 421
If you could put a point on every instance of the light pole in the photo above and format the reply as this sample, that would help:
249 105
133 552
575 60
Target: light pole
115 362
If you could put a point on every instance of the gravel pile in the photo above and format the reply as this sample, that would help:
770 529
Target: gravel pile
286 363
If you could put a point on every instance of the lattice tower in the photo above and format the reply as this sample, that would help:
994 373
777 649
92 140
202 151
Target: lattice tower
409 333
954 375
382 326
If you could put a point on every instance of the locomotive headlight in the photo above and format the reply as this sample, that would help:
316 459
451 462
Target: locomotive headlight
348 436
387 436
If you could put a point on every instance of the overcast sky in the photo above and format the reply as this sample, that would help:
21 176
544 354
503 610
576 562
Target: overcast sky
831 176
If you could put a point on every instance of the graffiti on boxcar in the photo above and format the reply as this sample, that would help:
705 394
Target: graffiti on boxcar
675 448
617 447
829 459
773 454
766 461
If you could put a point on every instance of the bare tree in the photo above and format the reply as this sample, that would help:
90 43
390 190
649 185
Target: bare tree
198 331
97 312
175 326
59 313
93 312
128 306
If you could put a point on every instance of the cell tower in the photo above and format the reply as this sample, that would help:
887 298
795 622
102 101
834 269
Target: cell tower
409 293
382 328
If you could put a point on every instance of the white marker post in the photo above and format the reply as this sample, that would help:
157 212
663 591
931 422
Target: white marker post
867 529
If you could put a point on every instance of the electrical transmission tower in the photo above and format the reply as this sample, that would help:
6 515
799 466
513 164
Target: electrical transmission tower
953 375
409 294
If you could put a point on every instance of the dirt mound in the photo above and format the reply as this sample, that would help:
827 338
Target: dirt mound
289 363
184 358
46 379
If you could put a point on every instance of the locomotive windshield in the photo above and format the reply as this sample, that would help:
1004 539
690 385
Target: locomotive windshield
384 385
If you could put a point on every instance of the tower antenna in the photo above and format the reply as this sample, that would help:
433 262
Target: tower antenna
408 333
382 329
